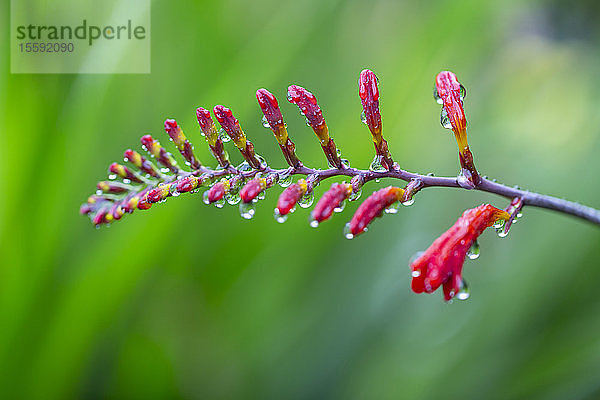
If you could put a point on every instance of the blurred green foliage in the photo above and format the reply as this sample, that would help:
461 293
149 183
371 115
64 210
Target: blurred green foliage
188 301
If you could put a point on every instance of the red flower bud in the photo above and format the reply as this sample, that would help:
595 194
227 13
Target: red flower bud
153 147
307 102
449 92
252 189
187 184
330 200
369 97
143 203
270 108
290 196
372 207
140 162
441 264
181 142
230 125
217 191
123 172
159 193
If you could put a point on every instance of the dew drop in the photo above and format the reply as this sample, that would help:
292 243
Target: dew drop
355 195
224 136
175 193
437 97
314 223
393 209
125 180
464 292
408 202
205 197
474 251
278 217
112 177
463 92
445 120
247 210
125 159
363 117
265 122
219 203
415 257
285 181
244 167
415 274
376 165
306 200
261 195
347 233
340 207
232 198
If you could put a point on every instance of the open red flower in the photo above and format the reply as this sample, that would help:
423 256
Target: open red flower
441 264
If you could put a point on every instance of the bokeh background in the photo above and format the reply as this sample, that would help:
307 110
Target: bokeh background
189 301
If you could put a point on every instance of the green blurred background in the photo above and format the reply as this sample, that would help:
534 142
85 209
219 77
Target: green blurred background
189 301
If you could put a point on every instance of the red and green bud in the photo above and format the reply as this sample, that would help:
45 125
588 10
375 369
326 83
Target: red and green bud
252 189
373 207
307 102
218 191
232 127
124 172
158 152
188 183
209 130
331 199
441 264
449 92
369 98
270 108
140 162
290 197
159 193
113 187
181 142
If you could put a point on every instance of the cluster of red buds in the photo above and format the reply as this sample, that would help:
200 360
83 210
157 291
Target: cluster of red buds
144 182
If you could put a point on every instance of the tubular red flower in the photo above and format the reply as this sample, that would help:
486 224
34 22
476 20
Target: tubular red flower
441 264
290 196
372 207
252 189
330 200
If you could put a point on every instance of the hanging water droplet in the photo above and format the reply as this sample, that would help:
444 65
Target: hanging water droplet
278 217
499 226
288 97
224 136
205 197
415 256
219 203
363 117
265 122
285 181
502 233
346 162
376 165
347 233
340 207
247 210
445 120
355 195
415 274
464 292
261 195
125 180
408 202
437 97
99 192
261 159
463 92
393 209
164 170
473 252
175 193
233 198
306 200
307 121
430 174
314 223
243 167
112 177
125 159
338 152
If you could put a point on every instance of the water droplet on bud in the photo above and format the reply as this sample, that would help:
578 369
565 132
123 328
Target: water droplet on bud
363 117
474 251
408 202
285 181
278 217
247 210
233 198
205 197
314 223
347 233
340 207
464 292
355 195
112 177
224 136
306 200
265 122
437 97
376 165
393 209
445 120
463 92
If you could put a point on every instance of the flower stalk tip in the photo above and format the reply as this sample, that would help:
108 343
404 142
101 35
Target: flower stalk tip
450 93
272 114
307 103
183 145
369 98
233 129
